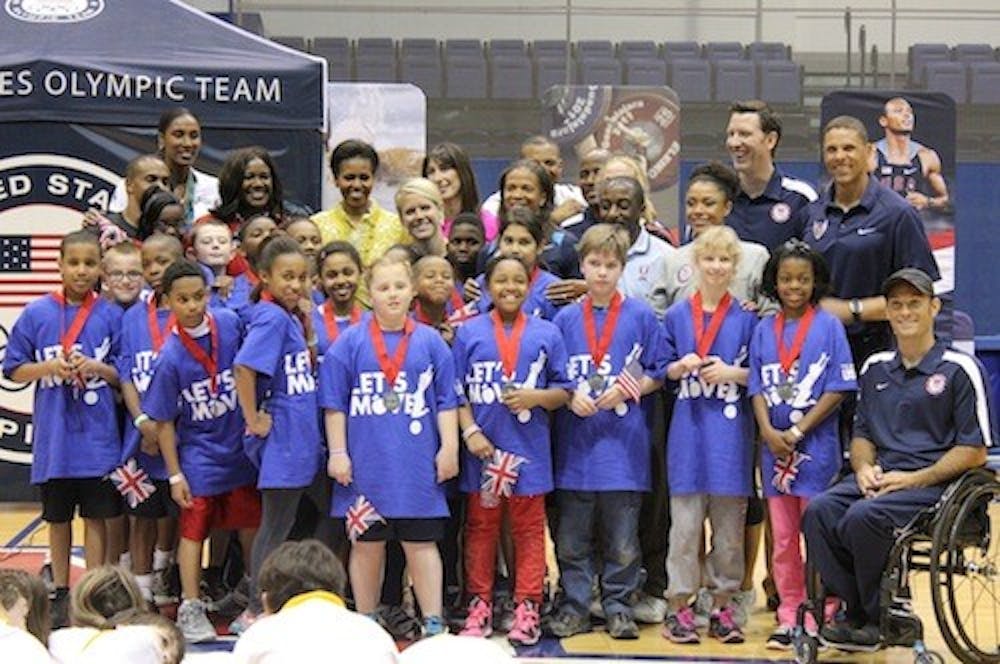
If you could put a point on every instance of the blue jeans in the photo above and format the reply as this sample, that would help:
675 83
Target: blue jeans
615 516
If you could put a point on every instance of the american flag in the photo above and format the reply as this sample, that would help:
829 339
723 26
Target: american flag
28 268
629 380
787 470
500 473
361 515
132 482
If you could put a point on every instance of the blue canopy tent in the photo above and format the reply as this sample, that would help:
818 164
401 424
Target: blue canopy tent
82 86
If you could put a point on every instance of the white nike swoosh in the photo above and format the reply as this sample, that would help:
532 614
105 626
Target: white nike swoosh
881 386
866 231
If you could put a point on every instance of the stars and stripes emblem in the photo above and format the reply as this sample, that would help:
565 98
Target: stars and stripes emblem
132 482
629 380
29 268
786 470
361 516
500 473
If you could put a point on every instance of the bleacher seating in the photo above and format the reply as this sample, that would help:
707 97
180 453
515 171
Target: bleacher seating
984 82
507 47
551 70
767 51
645 71
724 51
298 43
594 48
465 76
973 53
463 48
337 53
510 77
375 68
780 81
641 50
550 48
375 47
918 57
594 70
424 71
419 48
948 77
683 50
252 22
734 79
691 79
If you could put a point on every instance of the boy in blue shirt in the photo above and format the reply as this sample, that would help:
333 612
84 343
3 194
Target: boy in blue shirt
192 398
67 341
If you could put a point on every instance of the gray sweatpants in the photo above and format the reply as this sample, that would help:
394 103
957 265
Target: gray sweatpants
727 516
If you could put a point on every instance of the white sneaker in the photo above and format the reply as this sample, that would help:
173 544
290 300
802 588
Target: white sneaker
743 604
161 588
649 610
703 604
192 619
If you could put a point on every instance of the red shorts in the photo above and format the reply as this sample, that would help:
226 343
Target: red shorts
234 510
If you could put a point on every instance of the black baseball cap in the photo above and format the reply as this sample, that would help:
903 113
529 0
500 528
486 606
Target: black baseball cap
911 276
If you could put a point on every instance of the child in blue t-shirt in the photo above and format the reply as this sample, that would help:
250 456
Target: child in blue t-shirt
305 231
388 389
144 329
800 370
437 302
522 236
277 392
339 272
513 368
67 343
710 442
602 447
192 398
213 247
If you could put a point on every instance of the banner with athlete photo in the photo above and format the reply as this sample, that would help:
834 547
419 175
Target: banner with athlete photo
392 117
643 122
913 136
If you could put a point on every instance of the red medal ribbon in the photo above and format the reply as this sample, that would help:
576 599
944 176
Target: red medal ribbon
705 338
598 343
787 356
390 366
155 331
210 363
252 276
509 346
67 338
330 321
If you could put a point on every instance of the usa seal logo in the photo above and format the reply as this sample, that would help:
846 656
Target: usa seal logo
819 228
935 384
781 212
684 274
54 11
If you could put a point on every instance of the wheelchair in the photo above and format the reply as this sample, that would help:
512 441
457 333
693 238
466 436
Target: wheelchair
954 542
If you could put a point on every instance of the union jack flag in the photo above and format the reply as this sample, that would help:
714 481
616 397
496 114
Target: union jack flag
361 515
629 380
132 482
500 473
786 470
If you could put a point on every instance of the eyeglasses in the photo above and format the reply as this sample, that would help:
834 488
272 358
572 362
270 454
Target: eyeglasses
118 275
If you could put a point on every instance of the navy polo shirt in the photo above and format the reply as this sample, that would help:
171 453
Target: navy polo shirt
913 416
863 246
581 223
774 217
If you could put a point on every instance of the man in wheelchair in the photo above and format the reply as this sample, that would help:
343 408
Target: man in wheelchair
922 420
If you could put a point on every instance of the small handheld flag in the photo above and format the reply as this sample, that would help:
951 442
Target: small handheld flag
132 482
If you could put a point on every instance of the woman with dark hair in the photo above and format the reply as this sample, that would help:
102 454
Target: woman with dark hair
178 142
448 166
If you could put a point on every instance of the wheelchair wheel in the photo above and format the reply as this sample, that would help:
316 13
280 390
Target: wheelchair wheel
965 575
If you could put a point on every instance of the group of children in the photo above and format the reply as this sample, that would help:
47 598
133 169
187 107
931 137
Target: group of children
225 401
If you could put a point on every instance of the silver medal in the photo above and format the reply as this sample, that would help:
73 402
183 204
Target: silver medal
391 401
507 387
596 382
787 390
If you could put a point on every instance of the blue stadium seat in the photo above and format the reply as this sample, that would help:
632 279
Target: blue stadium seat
683 50
642 50
298 43
724 51
375 68
734 79
984 82
510 77
918 57
550 48
463 47
375 47
949 78
507 47
252 22
338 55
645 71
600 71
780 81
767 51
424 71
691 79
974 53
594 48
426 48
465 76
551 71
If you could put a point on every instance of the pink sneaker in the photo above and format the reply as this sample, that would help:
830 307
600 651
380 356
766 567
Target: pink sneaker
527 627
479 622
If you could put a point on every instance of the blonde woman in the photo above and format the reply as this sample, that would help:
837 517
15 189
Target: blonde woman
421 210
